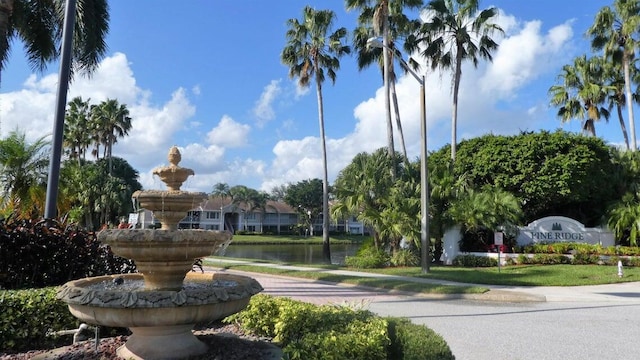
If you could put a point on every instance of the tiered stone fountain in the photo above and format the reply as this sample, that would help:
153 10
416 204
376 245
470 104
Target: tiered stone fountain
161 303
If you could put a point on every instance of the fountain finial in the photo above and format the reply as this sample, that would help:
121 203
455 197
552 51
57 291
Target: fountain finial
173 175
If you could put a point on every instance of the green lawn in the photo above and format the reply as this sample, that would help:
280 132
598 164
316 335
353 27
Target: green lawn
519 275
386 284
525 275
293 239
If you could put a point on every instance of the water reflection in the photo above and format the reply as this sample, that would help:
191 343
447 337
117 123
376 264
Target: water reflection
304 254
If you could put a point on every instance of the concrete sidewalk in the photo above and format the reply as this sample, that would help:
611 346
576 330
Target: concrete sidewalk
308 290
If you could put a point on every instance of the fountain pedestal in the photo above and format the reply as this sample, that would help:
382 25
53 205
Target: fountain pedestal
162 303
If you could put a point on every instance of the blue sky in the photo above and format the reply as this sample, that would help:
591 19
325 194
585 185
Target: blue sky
207 77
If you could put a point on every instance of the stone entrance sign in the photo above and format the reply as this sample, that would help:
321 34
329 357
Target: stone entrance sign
562 229
546 230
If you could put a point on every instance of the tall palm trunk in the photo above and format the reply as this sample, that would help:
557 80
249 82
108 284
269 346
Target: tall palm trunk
622 125
629 99
326 249
381 23
396 108
454 115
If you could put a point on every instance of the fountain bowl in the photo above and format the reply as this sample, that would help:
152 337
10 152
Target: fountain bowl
161 322
164 256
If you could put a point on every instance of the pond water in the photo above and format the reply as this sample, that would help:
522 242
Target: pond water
290 253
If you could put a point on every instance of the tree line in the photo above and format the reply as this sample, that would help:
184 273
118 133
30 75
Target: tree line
595 84
94 191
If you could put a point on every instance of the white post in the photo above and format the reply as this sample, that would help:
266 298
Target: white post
620 274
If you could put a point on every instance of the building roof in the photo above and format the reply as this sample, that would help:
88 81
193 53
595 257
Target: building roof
215 203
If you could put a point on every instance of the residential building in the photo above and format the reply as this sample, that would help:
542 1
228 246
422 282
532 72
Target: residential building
218 213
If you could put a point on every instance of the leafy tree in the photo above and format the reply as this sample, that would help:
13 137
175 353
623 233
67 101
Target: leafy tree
550 173
279 192
306 196
456 32
615 30
94 196
23 174
38 25
582 92
312 51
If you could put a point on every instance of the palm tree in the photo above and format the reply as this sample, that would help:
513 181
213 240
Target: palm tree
486 211
23 172
615 30
456 32
38 25
581 93
220 190
311 53
76 130
624 219
617 97
363 188
113 122
399 25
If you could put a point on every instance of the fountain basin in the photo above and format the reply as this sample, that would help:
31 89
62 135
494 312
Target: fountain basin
164 256
161 321
170 206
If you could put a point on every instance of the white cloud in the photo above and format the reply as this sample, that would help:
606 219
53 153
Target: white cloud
263 109
228 133
523 56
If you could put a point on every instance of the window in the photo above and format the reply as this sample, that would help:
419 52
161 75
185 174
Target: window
213 215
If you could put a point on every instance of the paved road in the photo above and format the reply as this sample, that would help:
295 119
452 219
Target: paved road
573 323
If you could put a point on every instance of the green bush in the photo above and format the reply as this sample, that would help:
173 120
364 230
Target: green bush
261 314
357 340
550 259
27 316
416 342
368 257
524 259
306 331
585 259
35 254
474 261
405 257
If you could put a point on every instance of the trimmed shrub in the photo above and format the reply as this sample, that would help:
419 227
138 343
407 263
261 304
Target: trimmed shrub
474 261
368 257
306 331
405 257
550 259
524 259
585 259
416 342
27 316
